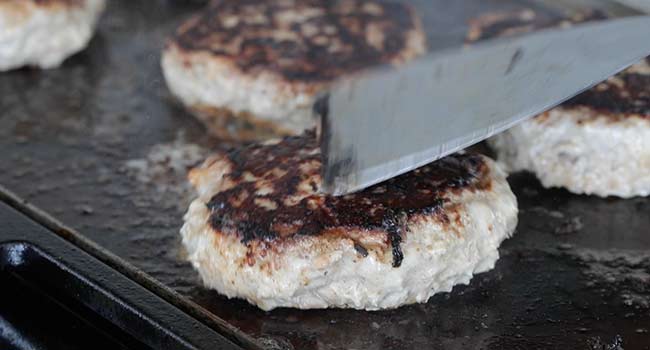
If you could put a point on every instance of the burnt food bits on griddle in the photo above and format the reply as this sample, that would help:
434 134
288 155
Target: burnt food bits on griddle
43 33
247 68
262 230
596 143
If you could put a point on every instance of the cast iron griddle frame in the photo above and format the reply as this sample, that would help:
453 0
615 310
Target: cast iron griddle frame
69 250
573 276
62 270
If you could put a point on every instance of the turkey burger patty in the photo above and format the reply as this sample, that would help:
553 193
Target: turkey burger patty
262 230
248 65
596 143
43 33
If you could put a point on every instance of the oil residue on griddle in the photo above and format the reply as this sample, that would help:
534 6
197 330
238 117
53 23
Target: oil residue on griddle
622 274
163 171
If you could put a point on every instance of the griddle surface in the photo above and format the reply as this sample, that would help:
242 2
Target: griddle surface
73 140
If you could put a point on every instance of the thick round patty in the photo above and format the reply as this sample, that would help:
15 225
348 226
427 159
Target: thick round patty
262 230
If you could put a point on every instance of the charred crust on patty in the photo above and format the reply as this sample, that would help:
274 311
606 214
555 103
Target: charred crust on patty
302 41
624 95
627 94
271 195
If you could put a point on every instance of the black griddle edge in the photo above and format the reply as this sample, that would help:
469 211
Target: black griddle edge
48 253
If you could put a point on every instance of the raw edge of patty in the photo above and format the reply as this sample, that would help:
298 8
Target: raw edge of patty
44 33
360 261
218 88
597 143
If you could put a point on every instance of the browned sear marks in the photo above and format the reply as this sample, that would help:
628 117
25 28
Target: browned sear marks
275 195
623 95
301 40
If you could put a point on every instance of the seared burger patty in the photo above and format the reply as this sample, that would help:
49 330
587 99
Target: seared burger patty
596 143
43 33
261 63
262 230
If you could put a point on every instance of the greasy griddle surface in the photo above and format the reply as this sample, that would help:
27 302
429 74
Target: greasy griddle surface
576 275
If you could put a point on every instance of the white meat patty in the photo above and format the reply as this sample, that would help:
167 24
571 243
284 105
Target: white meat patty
43 33
251 67
596 143
262 230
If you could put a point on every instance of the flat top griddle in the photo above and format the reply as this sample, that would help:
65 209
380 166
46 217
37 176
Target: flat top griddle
92 143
